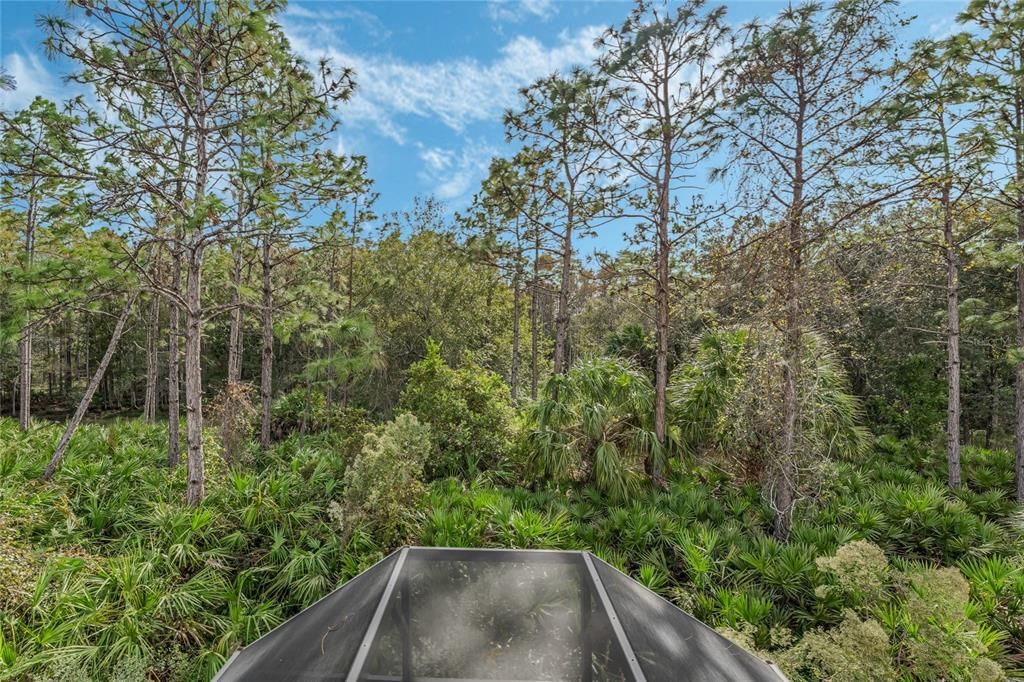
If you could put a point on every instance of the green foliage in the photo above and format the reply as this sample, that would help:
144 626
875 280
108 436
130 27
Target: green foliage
290 410
861 571
634 344
118 571
469 409
916 624
854 650
725 400
384 485
592 425
108 574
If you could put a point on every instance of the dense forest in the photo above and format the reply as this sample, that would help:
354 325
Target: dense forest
792 404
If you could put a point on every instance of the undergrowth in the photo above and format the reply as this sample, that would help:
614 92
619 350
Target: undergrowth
106 572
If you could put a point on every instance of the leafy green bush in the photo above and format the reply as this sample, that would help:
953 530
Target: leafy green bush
726 400
861 571
925 634
384 485
290 410
469 409
593 425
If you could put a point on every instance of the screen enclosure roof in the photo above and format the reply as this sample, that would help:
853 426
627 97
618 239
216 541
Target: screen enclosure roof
445 615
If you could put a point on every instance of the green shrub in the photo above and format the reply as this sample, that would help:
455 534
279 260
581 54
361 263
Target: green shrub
861 571
384 486
290 410
854 651
592 425
469 409
942 642
726 401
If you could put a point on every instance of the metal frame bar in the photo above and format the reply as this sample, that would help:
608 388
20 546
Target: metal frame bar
371 631
392 678
554 556
227 664
613 618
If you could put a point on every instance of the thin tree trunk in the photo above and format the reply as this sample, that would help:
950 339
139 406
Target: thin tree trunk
563 318
952 345
25 378
267 357
90 391
786 470
661 295
1019 369
993 416
174 371
25 344
516 306
194 378
149 405
534 319
346 386
235 338
67 358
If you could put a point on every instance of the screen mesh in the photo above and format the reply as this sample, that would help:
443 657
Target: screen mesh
491 616
481 615
320 643
671 645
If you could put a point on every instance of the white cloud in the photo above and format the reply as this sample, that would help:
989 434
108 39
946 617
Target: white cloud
368 22
511 11
32 79
456 92
451 174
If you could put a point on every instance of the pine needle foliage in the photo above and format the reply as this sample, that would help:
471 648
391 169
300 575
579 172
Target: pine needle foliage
725 400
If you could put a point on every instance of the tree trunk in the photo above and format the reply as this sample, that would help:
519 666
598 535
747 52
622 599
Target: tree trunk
993 415
661 294
1019 369
563 318
235 338
784 490
149 405
267 357
25 344
174 371
25 378
952 345
90 391
194 378
516 307
534 319
66 358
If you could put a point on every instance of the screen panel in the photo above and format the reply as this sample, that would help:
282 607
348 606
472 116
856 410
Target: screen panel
508 616
671 645
319 643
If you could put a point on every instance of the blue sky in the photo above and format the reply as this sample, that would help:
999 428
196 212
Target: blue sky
433 77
